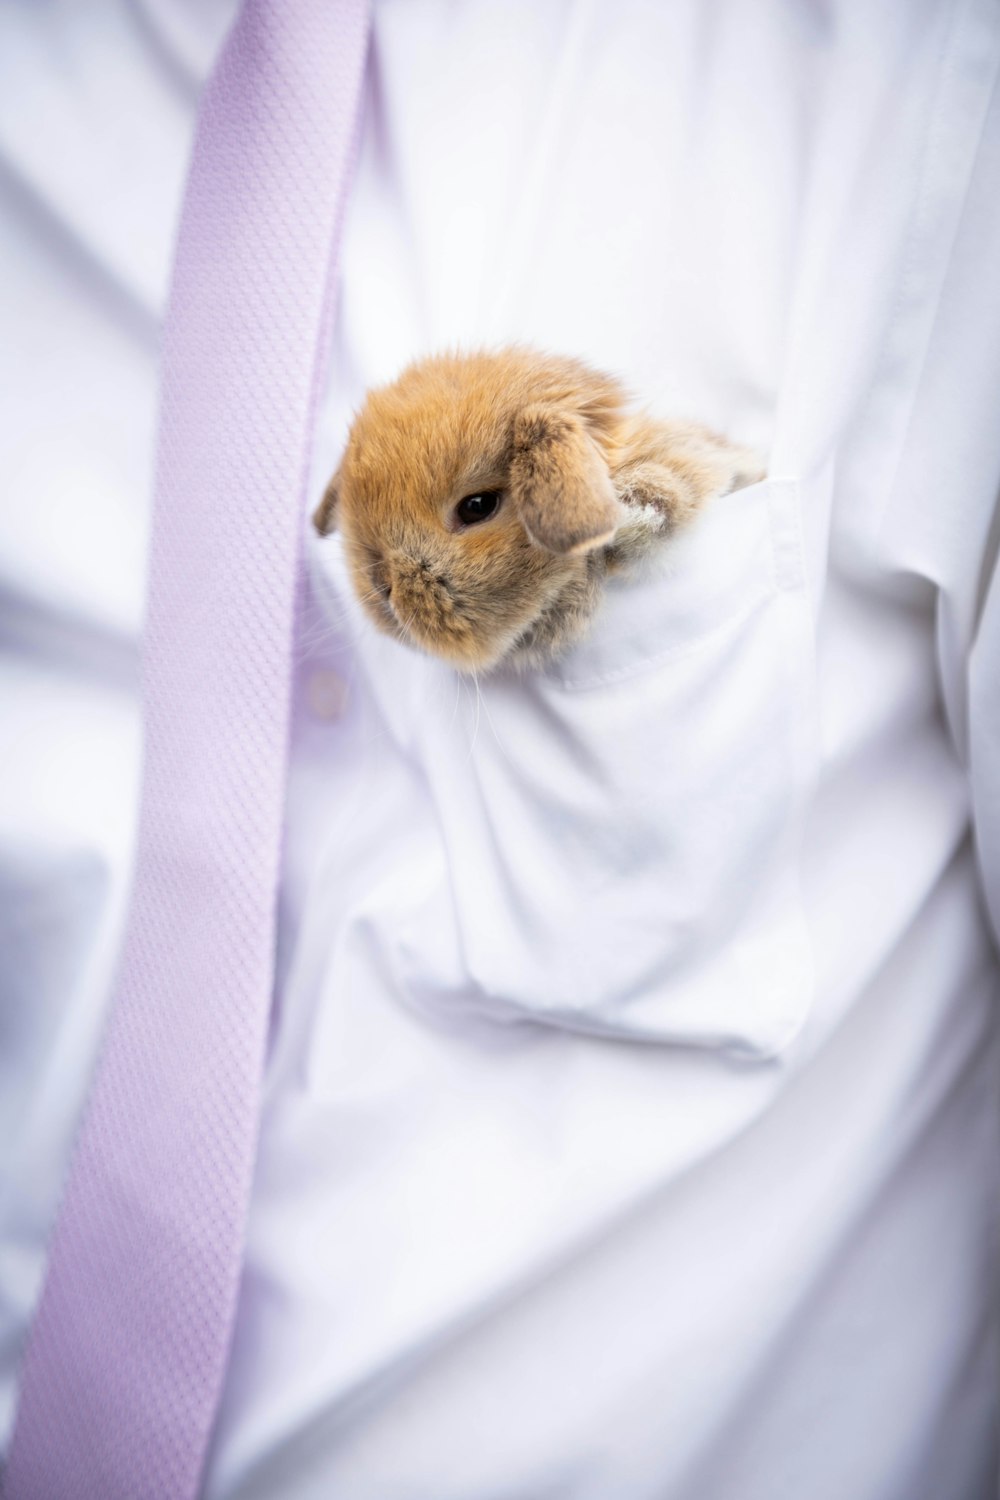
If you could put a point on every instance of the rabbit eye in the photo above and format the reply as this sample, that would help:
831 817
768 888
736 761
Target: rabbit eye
476 508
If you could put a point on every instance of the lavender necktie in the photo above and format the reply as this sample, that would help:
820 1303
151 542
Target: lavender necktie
124 1364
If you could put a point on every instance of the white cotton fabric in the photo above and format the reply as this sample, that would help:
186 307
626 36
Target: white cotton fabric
610 844
631 1119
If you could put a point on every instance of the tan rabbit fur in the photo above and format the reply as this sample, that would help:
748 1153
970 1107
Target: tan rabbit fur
582 486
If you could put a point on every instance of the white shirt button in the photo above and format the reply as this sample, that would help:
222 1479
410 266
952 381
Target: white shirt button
326 695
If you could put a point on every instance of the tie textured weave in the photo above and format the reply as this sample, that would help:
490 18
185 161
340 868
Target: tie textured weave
124 1364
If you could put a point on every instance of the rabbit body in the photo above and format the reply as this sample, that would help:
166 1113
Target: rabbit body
484 498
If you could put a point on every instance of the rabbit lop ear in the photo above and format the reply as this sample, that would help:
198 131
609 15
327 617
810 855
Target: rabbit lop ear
325 515
559 482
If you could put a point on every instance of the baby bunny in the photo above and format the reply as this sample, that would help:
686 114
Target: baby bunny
483 499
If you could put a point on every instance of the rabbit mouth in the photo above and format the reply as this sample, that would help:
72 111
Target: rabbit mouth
425 595
469 636
423 608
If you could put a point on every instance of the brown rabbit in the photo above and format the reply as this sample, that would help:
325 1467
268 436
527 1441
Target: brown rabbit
484 498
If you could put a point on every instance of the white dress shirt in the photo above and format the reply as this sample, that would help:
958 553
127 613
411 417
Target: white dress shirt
630 1124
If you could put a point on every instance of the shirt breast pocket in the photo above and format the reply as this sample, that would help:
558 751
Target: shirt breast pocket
618 836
